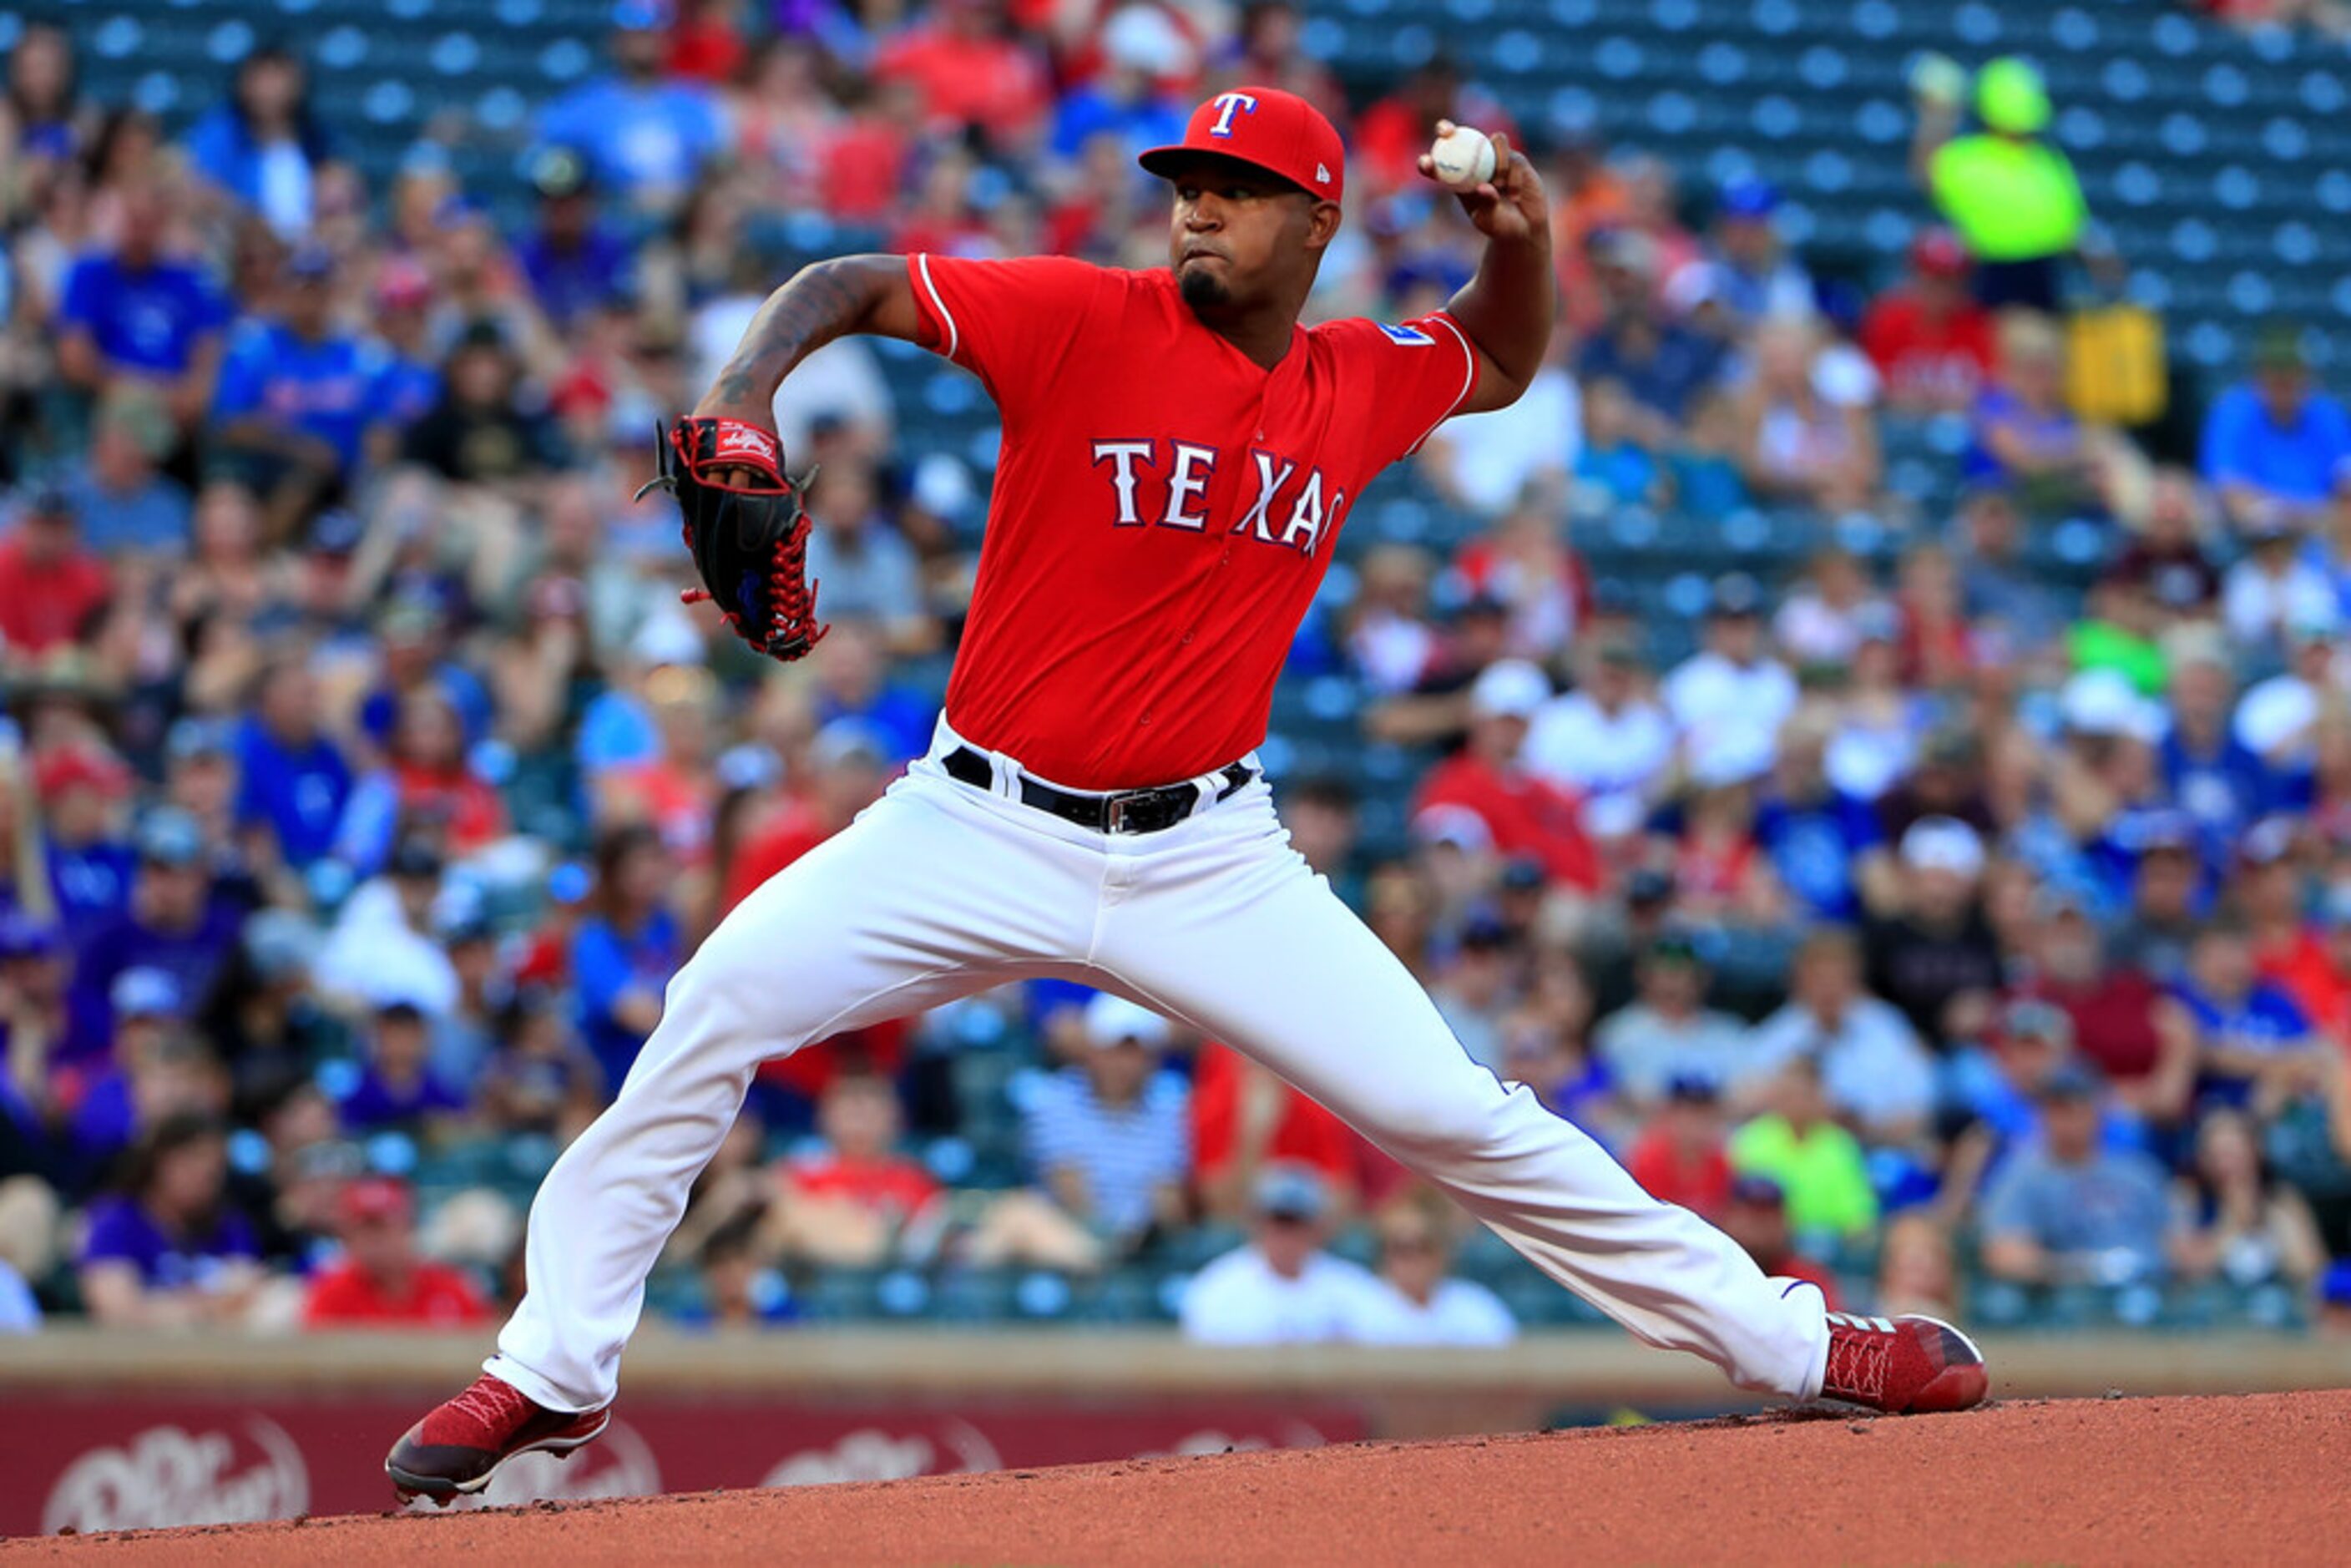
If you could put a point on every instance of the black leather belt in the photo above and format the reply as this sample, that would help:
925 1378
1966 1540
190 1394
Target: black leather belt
1119 811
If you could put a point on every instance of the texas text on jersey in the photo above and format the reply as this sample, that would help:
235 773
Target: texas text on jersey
1164 507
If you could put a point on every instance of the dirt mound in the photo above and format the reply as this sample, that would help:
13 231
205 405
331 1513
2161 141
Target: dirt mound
2119 1481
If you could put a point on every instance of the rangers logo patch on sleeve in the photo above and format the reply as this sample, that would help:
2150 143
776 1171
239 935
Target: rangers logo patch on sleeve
1411 337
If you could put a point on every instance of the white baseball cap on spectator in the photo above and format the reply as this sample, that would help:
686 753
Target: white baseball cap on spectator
847 740
1842 376
751 766
1457 825
1143 39
1509 688
1943 843
1114 1020
2104 703
145 992
667 637
1617 815
942 486
1697 283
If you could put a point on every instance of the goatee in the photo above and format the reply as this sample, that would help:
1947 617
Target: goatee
1201 288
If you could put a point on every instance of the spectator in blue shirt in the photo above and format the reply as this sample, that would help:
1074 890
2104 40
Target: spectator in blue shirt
2207 772
646 138
294 401
397 1089
576 265
2274 446
170 1252
176 922
153 1065
408 380
2070 1210
264 146
2026 438
1142 48
82 789
1109 1139
857 683
413 631
1825 846
1753 274
626 951
125 505
294 781
34 980
43 120
134 313
2253 1037
1662 364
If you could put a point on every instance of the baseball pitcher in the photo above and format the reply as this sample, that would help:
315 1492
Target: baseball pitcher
1180 455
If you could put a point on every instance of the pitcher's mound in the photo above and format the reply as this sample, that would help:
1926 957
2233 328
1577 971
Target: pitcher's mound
2265 1477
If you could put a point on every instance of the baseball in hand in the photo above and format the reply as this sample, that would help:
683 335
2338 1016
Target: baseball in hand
1464 158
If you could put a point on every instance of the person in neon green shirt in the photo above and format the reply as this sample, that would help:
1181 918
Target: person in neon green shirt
2012 197
1817 1162
2122 632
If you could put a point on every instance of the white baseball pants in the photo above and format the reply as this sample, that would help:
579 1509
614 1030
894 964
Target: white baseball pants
940 890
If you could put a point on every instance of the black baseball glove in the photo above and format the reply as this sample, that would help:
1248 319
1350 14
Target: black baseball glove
746 529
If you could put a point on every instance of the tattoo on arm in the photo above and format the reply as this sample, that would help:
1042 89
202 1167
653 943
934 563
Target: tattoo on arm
822 302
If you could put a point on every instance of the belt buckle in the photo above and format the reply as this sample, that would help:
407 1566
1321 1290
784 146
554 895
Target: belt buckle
1114 818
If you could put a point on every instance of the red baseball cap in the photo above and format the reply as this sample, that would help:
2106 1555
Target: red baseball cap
1277 131
402 282
374 1199
1937 253
80 766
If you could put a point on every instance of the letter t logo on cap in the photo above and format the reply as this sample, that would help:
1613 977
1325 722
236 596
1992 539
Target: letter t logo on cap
1228 104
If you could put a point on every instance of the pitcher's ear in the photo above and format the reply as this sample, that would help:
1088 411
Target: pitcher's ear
1322 222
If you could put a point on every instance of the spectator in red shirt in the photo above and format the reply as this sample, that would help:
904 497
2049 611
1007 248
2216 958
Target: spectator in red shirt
859 175
381 1281
973 72
786 120
850 1202
2290 951
673 789
847 773
2141 1040
1524 814
706 42
1394 132
858 1201
434 782
1928 338
1681 1158
1244 1118
50 585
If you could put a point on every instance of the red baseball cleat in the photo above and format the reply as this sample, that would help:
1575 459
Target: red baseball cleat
1904 1366
458 1447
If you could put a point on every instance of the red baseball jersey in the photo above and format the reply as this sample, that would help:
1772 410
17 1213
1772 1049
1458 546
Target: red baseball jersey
1165 508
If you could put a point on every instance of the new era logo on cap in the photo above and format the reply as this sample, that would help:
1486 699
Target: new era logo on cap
1276 131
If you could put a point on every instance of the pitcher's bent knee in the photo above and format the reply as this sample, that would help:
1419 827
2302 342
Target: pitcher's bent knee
1458 1122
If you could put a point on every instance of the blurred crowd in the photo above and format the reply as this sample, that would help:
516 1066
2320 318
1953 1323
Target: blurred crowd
1939 928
